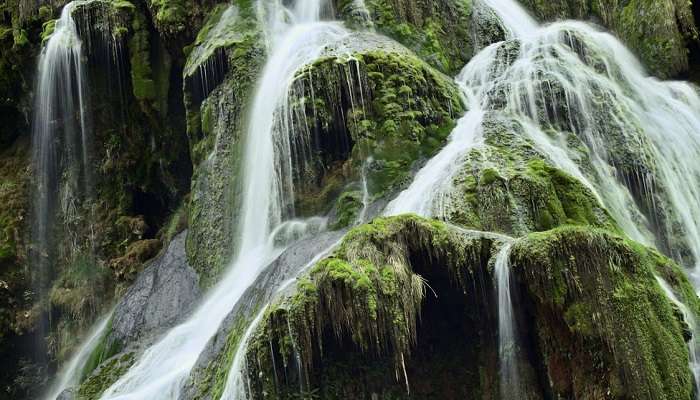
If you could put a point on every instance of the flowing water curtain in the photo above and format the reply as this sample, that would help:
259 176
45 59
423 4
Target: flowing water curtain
60 152
570 79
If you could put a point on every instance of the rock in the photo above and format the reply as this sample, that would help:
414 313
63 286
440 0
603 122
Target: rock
68 394
214 362
162 294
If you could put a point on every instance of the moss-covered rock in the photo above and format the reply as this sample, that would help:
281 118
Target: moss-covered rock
229 50
366 299
577 287
583 285
104 376
659 31
384 105
507 185
440 32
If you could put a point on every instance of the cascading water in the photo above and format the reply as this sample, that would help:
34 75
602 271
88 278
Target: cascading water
72 371
587 66
236 388
60 142
509 376
296 38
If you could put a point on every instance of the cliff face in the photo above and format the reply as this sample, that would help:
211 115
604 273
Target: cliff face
402 304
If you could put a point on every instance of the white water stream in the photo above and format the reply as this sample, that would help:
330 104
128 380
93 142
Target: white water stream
296 37
509 382
663 116
70 374
59 146
690 319
660 117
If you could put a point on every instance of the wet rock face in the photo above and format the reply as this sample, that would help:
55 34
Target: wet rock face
161 295
209 375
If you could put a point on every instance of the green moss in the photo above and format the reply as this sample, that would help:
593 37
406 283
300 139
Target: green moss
142 82
505 185
170 15
108 373
104 350
47 29
211 382
365 292
438 31
593 283
659 31
14 191
215 127
395 109
348 208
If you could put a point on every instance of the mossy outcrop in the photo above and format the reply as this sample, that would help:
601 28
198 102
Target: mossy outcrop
442 33
583 285
365 301
662 46
506 185
219 77
380 110
364 305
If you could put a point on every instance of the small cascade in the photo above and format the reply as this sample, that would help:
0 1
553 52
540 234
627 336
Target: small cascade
70 374
516 21
509 376
296 37
236 385
60 147
362 216
689 317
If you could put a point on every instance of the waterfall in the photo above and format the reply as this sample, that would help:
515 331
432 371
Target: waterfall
573 66
296 37
552 81
689 317
586 66
71 373
235 388
509 377
362 216
60 138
